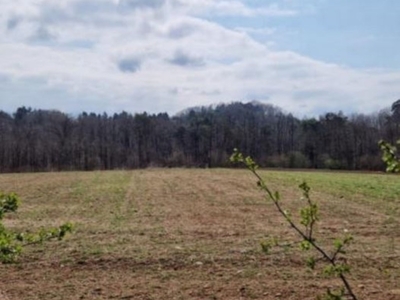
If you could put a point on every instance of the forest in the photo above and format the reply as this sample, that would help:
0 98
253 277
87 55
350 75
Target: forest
35 140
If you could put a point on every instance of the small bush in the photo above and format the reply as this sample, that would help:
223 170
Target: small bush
298 160
390 156
304 226
12 243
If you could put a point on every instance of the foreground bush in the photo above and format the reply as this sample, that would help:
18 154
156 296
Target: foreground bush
12 243
390 156
334 261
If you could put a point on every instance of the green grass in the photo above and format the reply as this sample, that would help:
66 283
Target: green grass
352 186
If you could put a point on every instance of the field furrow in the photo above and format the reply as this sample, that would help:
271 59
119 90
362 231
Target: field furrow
195 234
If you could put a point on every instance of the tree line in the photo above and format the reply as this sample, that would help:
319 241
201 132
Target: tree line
50 140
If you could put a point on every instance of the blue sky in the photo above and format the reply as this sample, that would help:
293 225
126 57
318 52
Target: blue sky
306 56
355 33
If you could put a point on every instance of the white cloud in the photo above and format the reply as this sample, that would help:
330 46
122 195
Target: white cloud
230 7
163 55
257 31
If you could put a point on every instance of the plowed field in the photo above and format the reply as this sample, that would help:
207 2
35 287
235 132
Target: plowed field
195 234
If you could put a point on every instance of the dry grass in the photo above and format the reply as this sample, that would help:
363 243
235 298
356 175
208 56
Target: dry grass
190 234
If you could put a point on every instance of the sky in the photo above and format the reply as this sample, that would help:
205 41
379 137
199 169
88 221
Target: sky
308 57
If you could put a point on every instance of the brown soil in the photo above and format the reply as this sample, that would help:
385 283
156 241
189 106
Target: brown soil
185 234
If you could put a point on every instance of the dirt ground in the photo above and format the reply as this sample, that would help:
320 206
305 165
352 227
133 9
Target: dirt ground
188 234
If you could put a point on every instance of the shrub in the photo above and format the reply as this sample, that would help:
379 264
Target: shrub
12 243
335 264
390 156
298 160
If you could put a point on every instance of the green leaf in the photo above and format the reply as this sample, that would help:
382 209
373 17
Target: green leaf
305 245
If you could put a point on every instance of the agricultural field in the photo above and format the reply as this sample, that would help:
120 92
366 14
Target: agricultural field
196 234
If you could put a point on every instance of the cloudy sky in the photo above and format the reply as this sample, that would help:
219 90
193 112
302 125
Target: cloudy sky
306 56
